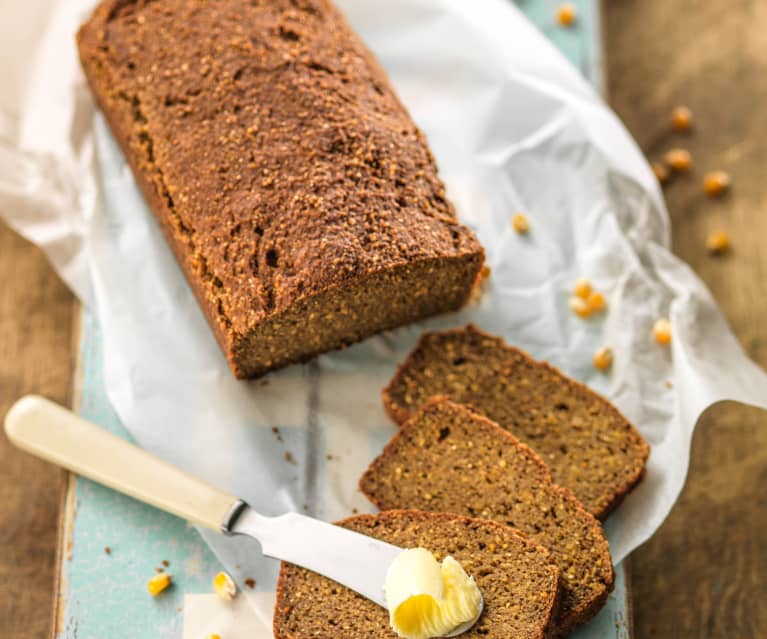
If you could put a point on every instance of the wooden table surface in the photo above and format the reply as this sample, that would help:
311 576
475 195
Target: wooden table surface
704 574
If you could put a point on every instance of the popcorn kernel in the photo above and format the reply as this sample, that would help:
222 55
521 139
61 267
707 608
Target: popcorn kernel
603 358
582 288
520 223
661 330
660 171
679 160
224 586
681 118
718 242
716 183
158 583
596 301
579 306
566 14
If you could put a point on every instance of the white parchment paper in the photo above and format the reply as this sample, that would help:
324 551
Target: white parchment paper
514 127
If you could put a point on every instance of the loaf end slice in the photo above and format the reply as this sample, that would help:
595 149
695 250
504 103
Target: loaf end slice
448 459
587 444
519 583
299 198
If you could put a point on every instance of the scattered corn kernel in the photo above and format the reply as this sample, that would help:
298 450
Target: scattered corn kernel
214 636
158 583
681 118
718 242
582 288
603 358
661 172
661 330
579 306
224 586
716 183
679 159
596 301
566 14
520 223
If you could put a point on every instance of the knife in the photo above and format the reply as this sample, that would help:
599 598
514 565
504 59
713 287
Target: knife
57 435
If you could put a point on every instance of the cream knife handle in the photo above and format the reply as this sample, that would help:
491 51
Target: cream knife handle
57 435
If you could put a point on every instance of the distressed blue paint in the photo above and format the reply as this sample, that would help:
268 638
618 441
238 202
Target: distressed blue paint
105 595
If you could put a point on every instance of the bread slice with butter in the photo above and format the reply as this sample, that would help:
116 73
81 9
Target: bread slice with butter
519 583
449 459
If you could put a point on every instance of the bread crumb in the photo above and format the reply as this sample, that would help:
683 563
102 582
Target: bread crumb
250 582
107 550
289 457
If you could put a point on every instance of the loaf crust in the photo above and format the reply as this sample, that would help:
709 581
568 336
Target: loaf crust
588 445
299 198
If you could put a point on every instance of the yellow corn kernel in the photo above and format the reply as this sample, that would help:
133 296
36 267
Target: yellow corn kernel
661 330
596 301
718 242
224 586
679 159
681 118
214 636
582 288
158 583
566 14
579 306
660 171
520 223
716 183
603 358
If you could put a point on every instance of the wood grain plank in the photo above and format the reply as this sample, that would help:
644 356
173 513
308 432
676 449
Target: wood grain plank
704 574
36 351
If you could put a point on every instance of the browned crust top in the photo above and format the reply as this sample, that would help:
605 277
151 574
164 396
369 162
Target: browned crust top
276 144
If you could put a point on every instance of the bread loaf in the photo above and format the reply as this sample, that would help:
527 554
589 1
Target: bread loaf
300 199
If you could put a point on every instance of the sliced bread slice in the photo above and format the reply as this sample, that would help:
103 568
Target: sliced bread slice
587 444
447 458
519 583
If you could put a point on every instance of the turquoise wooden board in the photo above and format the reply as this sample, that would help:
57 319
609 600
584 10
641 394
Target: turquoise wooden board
104 594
